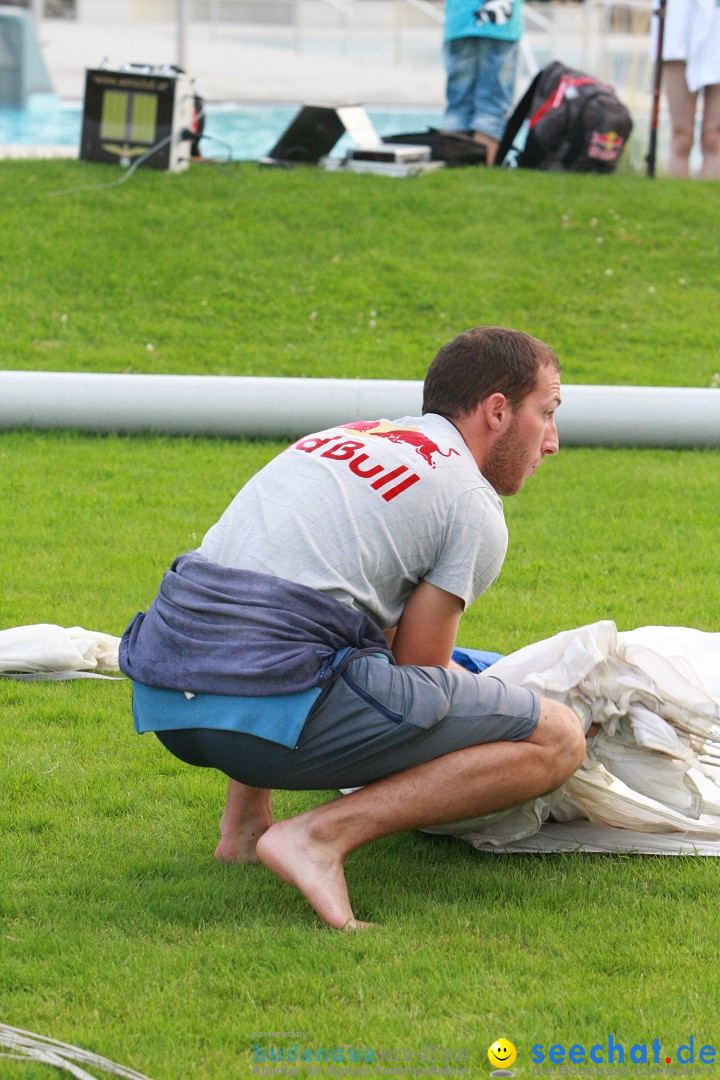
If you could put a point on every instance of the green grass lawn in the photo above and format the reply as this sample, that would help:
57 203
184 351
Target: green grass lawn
118 932
244 272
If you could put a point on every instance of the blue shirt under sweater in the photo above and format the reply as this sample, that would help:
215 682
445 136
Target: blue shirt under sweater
218 645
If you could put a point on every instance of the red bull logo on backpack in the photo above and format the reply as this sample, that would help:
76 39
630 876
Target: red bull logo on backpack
605 145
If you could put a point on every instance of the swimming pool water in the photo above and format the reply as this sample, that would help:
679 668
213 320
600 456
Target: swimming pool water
241 132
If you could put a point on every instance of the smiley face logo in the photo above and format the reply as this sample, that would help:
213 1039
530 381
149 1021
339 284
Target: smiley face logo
502 1054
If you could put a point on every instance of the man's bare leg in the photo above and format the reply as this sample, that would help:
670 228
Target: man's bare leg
247 815
710 168
682 117
490 144
308 851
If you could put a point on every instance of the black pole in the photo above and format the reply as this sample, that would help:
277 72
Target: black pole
657 80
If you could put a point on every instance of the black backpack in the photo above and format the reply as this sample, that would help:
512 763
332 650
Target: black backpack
576 123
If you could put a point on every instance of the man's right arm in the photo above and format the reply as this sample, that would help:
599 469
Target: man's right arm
428 626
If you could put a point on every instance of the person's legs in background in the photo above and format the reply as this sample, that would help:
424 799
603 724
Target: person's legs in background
710 169
494 91
682 117
461 68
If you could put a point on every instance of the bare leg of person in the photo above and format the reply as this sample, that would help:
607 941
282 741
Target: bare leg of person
308 851
490 144
710 169
682 117
247 815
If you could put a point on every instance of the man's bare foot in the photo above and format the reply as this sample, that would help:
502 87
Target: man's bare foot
238 844
247 814
293 851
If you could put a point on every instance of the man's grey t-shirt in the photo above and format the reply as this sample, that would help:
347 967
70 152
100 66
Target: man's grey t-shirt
366 510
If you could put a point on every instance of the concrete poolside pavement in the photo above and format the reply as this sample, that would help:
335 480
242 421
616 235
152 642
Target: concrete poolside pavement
371 64
255 63
391 56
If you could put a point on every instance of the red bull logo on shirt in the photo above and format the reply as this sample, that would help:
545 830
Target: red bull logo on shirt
381 429
388 481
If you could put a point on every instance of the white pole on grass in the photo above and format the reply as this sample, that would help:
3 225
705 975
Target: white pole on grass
278 408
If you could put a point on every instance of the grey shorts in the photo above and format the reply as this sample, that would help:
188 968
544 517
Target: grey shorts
377 719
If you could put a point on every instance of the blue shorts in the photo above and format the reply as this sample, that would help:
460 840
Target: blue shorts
377 719
480 84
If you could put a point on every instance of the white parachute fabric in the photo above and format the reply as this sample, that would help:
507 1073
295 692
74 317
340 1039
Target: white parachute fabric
584 836
654 767
48 650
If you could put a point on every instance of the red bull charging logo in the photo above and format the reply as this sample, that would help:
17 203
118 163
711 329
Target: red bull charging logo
381 429
389 482
605 145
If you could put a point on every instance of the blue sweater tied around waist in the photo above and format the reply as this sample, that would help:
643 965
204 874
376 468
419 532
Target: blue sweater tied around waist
215 630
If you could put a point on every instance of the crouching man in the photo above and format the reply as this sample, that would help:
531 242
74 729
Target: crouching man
307 643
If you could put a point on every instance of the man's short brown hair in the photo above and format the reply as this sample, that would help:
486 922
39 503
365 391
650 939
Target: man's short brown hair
483 361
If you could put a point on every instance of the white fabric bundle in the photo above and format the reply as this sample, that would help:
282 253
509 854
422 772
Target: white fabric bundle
47 650
654 768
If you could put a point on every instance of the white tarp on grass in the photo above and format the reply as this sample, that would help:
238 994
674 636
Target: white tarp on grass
48 651
653 771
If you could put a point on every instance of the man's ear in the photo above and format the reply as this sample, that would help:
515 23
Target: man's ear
496 410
